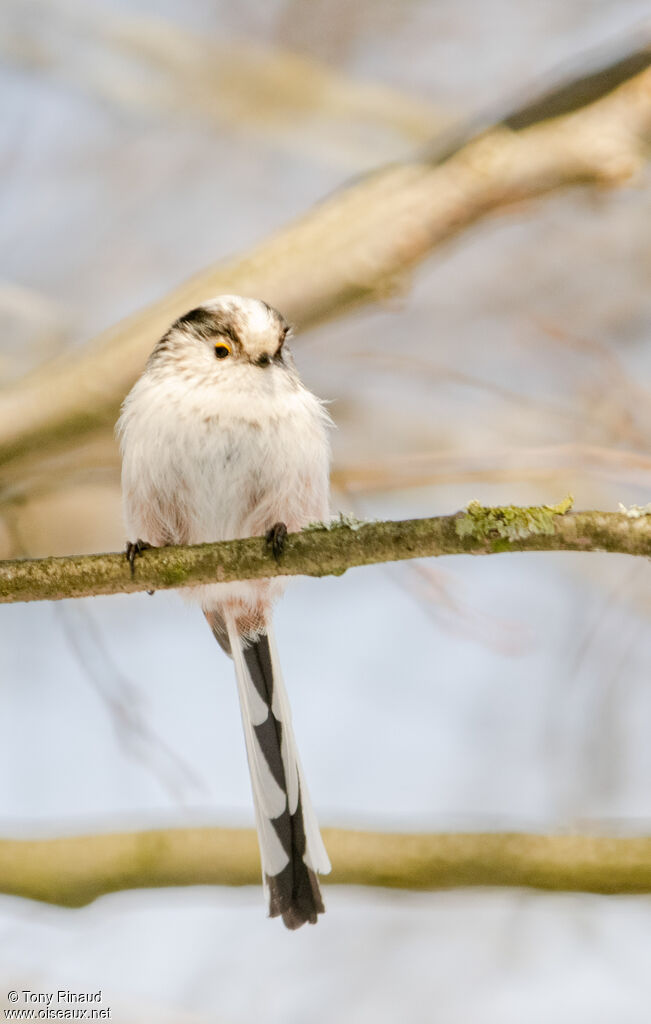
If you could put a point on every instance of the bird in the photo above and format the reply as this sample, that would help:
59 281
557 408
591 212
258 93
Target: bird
219 440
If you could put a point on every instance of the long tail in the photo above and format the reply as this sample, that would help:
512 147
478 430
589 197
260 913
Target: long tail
291 848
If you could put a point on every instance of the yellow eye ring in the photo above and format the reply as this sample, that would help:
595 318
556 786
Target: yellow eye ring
222 350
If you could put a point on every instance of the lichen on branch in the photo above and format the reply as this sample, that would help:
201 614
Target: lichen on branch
510 522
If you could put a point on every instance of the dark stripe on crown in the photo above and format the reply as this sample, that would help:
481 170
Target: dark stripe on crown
200 320
275 315
210 323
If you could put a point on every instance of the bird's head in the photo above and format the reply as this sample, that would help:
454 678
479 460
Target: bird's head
225 332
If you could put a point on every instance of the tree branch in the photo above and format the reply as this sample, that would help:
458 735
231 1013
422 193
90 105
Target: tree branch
73 871
357 245
330 550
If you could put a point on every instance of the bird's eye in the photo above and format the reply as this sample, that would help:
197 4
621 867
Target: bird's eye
222 350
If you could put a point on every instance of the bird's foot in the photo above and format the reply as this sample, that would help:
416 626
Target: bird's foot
276 538
134 550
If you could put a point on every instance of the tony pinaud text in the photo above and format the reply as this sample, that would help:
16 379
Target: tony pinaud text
60 1004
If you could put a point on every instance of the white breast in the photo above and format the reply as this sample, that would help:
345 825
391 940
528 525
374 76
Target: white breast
210 463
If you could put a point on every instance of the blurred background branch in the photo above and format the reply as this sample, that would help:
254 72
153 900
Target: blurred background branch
74 870
139 61
357 246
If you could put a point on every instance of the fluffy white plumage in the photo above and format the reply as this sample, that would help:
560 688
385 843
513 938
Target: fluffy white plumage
218 449
219 440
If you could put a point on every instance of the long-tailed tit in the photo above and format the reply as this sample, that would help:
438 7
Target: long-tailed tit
220 439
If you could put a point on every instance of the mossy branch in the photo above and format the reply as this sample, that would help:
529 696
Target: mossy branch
328 550
75 870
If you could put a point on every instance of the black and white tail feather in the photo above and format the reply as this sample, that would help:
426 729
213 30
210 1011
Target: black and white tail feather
291 848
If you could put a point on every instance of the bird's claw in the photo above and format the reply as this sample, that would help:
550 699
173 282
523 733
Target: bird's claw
276 538
134 550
